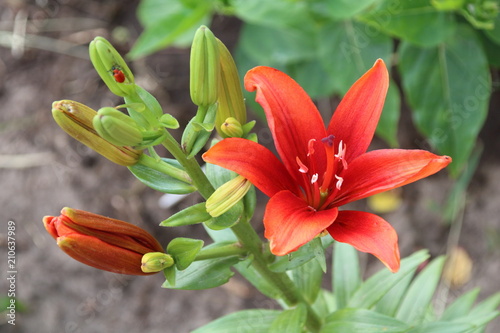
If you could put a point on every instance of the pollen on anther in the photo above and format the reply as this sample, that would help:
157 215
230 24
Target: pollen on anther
314 178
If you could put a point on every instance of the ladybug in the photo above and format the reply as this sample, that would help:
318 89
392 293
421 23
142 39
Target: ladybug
118 75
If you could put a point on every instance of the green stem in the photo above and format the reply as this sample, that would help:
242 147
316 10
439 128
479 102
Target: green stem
246 236
229 250
198 177
281 281
164 168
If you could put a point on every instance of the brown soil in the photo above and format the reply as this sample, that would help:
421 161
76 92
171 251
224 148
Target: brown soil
50 170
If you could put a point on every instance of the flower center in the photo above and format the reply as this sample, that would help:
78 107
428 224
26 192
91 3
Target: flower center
319 188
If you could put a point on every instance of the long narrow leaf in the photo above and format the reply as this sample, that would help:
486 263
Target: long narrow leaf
247 321
419 295
346 274
361 321
373 289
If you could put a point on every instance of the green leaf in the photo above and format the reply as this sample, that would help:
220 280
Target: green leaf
295 259
191 215
419 295
461 306
348 49
204 274
416 21
492 50
340 9
373 289
246 269
270 46
346 275
165 22
246 321
170 273
388 124
442 327
290 321
324 304
219 236
228 219
310 75
308 278
276 13
389 304
488 305
361 321
159 181
184 251
483 313
494 34
448 87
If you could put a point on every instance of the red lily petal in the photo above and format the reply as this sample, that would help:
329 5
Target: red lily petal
254 162
292 116
290 223
368 233
96 253
358 113
381 170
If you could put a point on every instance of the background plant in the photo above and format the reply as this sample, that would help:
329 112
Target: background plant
442 50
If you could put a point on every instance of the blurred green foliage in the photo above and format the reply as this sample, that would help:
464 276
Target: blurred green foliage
442 51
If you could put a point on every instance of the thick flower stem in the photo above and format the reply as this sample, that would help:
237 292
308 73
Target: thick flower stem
198 177
291 295
234 249
247 237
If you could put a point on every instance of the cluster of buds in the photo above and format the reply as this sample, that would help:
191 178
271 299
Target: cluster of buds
77 120
121 137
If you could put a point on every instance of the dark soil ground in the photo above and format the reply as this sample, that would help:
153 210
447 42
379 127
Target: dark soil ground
43 170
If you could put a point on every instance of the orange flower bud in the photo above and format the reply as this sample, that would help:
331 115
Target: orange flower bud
101 242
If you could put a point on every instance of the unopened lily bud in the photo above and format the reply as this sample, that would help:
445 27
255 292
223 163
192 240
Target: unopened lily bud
117 128
231 128
76 120
227 196
204 68
101 242
230 101
111 67
153 262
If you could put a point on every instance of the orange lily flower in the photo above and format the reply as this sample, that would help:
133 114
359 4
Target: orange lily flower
101 242
322 168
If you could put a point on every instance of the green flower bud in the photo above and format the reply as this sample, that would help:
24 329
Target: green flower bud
155 262
76 120
227 196
117 128
111 67
231 128
204 68
230 100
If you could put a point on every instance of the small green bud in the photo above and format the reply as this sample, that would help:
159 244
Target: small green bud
156 262
76 120
117 128
204 68
231 128
230 99
111 67
227 196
